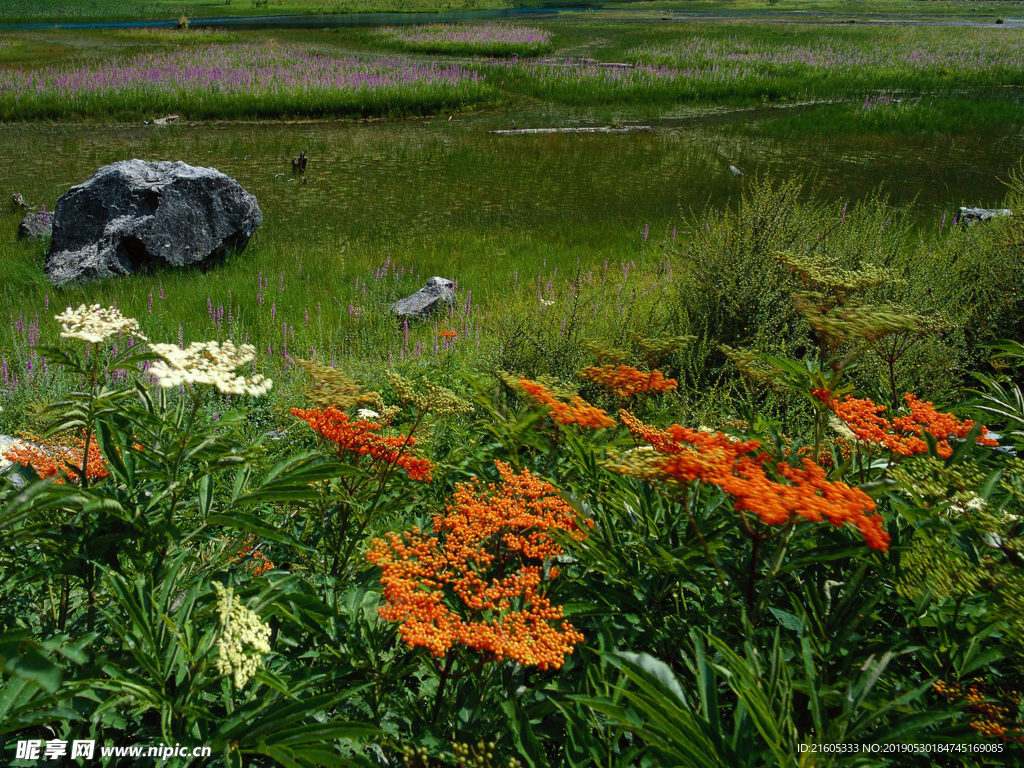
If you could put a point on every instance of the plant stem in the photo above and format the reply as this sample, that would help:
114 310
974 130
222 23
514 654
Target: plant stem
65 595
752 581
704 543
89 422
91 614
449 662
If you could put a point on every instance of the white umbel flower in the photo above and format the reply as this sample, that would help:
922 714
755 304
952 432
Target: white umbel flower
208 362
366 413
95 324
244 638
639 449
7 444
843 430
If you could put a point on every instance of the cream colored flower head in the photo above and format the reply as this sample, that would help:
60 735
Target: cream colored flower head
208 362
243 641
842 429
95 324
366 413
7 444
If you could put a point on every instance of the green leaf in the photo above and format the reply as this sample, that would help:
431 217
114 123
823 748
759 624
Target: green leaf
657 669
108 447
788 620
32 665
522 734
205 495
252 524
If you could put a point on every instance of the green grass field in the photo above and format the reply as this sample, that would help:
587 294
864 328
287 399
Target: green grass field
70 10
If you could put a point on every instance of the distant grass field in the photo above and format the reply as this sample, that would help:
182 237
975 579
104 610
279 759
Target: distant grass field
106 74
466 39
740 63
32 10
57 10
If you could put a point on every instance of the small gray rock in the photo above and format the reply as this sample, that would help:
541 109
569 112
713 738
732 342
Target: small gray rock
36 226
974 215
426 300
134 215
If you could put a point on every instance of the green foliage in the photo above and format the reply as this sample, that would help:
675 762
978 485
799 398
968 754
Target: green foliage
710 637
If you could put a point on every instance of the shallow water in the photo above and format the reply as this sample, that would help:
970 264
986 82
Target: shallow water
418 177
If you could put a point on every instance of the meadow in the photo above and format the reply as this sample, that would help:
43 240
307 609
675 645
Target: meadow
76 10
738 63
237 81
697 469
211 74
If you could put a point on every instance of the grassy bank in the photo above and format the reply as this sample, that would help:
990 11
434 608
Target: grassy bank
534 311
466 40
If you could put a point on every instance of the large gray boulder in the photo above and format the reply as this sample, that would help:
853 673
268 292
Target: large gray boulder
438 291
134 215
35 226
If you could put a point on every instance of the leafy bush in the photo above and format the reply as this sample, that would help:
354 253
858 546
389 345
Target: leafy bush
581 579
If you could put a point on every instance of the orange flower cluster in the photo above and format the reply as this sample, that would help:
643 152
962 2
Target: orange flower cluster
987 717
360 438
821 394
740 468
824 459
626 381
476 581
903 435
62 461
577 411
253 559
448 334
